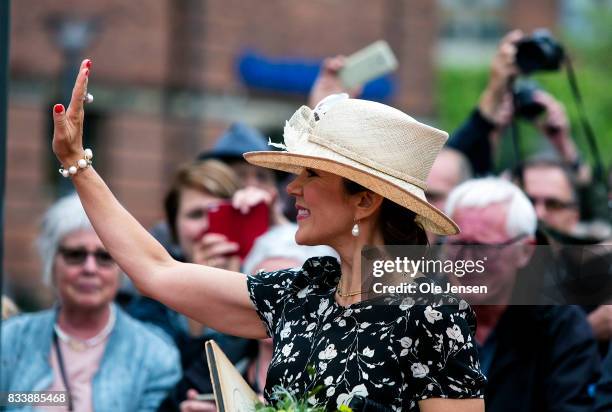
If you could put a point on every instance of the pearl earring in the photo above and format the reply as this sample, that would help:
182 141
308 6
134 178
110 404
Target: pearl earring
355 230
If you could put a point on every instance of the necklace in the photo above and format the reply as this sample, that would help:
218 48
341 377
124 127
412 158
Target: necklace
346 295
80 345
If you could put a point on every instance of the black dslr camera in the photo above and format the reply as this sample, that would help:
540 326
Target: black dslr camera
524 104
539 52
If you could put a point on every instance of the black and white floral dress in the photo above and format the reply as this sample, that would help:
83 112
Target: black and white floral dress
395 354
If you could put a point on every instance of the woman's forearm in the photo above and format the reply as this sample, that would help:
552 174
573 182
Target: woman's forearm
214 297
133 248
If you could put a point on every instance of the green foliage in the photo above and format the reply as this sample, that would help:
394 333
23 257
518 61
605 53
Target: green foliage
284 401
458 91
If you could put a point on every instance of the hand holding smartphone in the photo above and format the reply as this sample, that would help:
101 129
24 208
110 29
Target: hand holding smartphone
367 64
238 227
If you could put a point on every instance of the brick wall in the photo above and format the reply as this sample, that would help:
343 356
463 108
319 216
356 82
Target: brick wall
528 15
167 48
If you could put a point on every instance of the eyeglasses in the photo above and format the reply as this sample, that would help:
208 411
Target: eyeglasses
78 256
550 203
458 248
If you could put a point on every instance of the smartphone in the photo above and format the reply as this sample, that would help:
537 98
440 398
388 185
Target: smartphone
238 227
367 64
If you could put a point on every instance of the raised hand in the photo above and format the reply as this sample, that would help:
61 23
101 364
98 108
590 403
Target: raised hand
555 126
503 69
328 81
68 123
250 196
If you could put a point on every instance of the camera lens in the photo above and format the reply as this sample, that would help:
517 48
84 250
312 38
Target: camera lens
524 104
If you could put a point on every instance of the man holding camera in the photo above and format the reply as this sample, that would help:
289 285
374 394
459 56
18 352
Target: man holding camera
553 184
479 136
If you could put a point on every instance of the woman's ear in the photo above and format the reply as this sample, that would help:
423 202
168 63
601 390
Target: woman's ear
368 202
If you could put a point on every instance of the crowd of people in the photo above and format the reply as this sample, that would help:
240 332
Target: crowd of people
400 182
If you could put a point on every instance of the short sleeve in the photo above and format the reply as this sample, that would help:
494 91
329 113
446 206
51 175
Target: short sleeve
444 359
269 292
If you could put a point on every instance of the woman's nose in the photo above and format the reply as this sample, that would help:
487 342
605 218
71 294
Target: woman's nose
294 188
90 265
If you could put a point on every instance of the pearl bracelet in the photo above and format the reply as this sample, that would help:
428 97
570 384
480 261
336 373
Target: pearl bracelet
81 164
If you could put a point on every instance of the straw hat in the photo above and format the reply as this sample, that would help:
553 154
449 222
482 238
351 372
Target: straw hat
377 146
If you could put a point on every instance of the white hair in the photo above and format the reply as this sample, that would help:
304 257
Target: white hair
279 242
65 216
521 218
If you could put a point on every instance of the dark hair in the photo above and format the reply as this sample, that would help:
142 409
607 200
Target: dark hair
544 161
397 223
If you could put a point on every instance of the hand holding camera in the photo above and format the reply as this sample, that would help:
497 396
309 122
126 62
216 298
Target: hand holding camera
554 125
518 54
494 101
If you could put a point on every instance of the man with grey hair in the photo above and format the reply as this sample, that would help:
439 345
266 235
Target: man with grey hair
536 358
85 346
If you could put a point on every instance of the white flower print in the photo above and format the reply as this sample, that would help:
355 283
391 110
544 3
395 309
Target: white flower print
406 343
269 318
287 349
322 306
304 292
329 352
407 303
286 331
363 350
455 333
419 370
346 398
368 352
432 315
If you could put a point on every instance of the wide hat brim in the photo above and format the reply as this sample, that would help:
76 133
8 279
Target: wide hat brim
399 191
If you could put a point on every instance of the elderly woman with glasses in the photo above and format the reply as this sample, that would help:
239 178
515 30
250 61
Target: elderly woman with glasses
86 346
361 169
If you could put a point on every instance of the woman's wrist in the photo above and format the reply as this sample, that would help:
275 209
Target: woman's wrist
72 164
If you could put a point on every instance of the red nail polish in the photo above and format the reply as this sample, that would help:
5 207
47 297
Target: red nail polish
86 72
58 108
88 64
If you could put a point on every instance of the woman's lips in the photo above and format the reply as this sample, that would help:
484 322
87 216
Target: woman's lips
302 213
